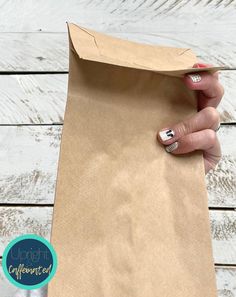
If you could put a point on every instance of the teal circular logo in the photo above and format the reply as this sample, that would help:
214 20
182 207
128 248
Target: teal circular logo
29 262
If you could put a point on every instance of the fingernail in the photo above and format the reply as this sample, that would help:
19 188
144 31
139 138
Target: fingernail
166 134
195 77
170 148
200 65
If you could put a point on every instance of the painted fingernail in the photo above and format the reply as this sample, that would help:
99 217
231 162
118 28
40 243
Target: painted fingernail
200 65
170 148
166 134
195 77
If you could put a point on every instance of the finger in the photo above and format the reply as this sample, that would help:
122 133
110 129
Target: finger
210 90
207 118
205 140
205 65
202 65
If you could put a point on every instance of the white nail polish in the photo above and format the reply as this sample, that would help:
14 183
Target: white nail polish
170 148
166 134
195 77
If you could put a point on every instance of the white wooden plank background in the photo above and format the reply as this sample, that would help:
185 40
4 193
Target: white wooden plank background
33 99
226 281
49 51
223 229
207 27
225 277
221 183
41 99
33 52
33 39
29 157
51 16
28 162
15 221
18 220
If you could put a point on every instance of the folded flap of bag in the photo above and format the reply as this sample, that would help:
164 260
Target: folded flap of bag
95 46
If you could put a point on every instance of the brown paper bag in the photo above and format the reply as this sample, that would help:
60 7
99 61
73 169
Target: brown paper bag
130 220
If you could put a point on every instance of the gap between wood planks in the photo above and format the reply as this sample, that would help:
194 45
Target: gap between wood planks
26 205
52 205
61 124
64 72
42 72
217 265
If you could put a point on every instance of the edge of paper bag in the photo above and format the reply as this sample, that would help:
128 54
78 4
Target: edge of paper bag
98 47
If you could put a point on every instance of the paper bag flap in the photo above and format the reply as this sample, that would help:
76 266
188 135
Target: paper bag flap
95 46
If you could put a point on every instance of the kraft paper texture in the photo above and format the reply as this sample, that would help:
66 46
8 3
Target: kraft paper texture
130 220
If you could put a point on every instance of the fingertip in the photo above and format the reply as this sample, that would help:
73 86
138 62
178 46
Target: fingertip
189 81
171 148
201 65
165 135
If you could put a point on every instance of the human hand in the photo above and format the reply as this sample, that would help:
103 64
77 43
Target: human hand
199 131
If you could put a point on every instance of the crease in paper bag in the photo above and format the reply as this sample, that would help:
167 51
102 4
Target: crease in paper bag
98 47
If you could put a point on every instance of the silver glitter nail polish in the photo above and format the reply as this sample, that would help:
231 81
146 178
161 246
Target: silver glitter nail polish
195 77
170 148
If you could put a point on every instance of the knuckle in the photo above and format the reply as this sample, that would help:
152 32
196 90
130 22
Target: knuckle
212 114
213 87
185 127
211 137
181 128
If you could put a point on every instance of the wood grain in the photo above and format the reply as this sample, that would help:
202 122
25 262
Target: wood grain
223 230
35 37
32 99
29 159
227 106
226 281
49 51
41 99
221 183
152 14
225 278
33 52
15 221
